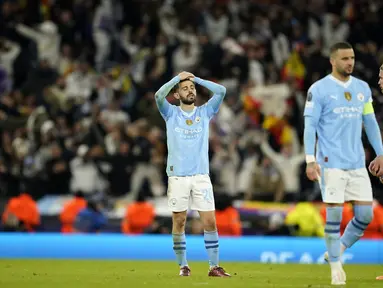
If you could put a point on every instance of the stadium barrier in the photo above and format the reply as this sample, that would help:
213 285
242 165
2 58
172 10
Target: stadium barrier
159 247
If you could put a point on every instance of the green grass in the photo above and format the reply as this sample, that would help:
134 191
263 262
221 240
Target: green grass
110 274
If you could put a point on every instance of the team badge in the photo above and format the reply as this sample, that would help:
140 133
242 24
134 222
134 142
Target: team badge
173 202
189 122
360 97
348 96
197 119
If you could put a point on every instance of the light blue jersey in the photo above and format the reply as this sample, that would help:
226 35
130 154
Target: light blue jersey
335 111
188 133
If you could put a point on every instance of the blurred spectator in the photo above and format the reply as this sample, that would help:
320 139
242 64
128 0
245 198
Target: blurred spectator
147 160
304 220
79 86
86 175
47 40
217 25
9 51
139 216
266 183
70 211
225 164
288 165
91 219
228 220
21 214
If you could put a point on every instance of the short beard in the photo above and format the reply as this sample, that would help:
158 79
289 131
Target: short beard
186 101
344 73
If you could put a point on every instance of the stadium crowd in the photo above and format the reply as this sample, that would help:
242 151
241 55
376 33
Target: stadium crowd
77 84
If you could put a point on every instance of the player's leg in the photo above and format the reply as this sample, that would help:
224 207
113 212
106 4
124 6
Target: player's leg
359 192
203 202
178 202
333 184
179 241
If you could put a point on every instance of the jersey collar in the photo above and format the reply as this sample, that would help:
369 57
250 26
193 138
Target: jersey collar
344 84
188 114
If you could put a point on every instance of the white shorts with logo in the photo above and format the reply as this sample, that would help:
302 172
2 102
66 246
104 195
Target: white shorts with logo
339 186
194 192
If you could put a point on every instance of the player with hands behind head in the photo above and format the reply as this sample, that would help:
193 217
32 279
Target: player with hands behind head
187 129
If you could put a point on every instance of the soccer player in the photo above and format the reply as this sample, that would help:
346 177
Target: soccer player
377 170
337 107
188 163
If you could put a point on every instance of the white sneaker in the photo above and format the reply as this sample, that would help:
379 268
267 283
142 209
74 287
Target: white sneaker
338 276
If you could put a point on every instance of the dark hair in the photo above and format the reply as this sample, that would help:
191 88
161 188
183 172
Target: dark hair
339 46
177 86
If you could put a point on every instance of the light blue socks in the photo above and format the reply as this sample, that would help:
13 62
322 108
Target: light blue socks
179 247
212 247
332 232
355 228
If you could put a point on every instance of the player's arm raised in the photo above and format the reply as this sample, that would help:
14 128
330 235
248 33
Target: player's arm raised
312 114
372 129
160 96
219 93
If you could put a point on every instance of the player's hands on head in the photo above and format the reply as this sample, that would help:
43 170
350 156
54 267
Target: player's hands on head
313 171
376 166
186 75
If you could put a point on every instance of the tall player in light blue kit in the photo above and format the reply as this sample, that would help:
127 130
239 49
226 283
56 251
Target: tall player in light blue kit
188 163
378 171
337 108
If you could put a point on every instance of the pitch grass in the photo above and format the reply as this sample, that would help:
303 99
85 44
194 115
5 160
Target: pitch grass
135 274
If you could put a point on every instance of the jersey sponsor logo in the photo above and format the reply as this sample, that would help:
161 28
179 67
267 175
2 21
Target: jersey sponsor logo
189 122
188 131
348 96
360 97
349 112
340 110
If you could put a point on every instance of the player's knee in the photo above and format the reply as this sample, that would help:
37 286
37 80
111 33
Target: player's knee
179 221
364 214
209 224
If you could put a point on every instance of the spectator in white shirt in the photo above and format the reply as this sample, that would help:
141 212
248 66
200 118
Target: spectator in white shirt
288 165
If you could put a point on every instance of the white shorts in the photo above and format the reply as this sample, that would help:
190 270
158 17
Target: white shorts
339 186
194 192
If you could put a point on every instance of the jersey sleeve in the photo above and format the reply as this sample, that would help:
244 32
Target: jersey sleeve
163 105
313 107
312 113
368 107
371 125
212 106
